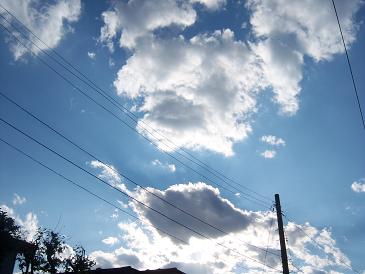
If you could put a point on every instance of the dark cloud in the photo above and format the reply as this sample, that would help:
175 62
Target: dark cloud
200 200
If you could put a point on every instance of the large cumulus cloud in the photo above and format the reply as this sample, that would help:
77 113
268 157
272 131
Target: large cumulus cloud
197 92
201 92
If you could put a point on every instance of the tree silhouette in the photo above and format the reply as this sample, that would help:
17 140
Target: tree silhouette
49 246
35 260
53 245
79 261
8 226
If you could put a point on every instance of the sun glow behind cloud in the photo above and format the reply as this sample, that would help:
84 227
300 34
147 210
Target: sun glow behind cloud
145 247
246 232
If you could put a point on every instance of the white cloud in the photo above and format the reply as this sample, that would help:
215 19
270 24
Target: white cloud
211 4
273 140
287 33
169 167
91 55
66 252
115 214
111 62
18 200
122 204
358 186
110 240
109 173
149 248
139 18
199 93
50 22
145 247
299 245
283 69
268 154
156 162
29 224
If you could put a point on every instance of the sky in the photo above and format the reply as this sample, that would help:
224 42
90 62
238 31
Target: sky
258 90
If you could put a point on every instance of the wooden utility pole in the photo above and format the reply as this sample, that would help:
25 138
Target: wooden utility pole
284 256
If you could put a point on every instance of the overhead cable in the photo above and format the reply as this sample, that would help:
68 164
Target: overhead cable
103 199
125 110
316 243
122 174
143 204
247 197
350 67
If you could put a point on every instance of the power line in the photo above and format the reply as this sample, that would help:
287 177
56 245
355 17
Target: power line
190 214
124 110
268 242
88 191
349 64
126 194
354 88
122 174
268 239
291 256
96 195
256 200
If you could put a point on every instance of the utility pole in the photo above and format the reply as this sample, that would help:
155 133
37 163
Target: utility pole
284 256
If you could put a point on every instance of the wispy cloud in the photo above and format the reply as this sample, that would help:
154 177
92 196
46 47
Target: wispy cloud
91 55
166 166
108 173
268 154
273 140
115 214
18 200
110 240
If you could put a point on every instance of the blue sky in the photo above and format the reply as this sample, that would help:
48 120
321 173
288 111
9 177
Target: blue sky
259 90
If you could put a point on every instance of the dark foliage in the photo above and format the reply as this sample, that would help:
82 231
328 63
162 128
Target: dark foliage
79 261
35 260
47 258
7 225
53 244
